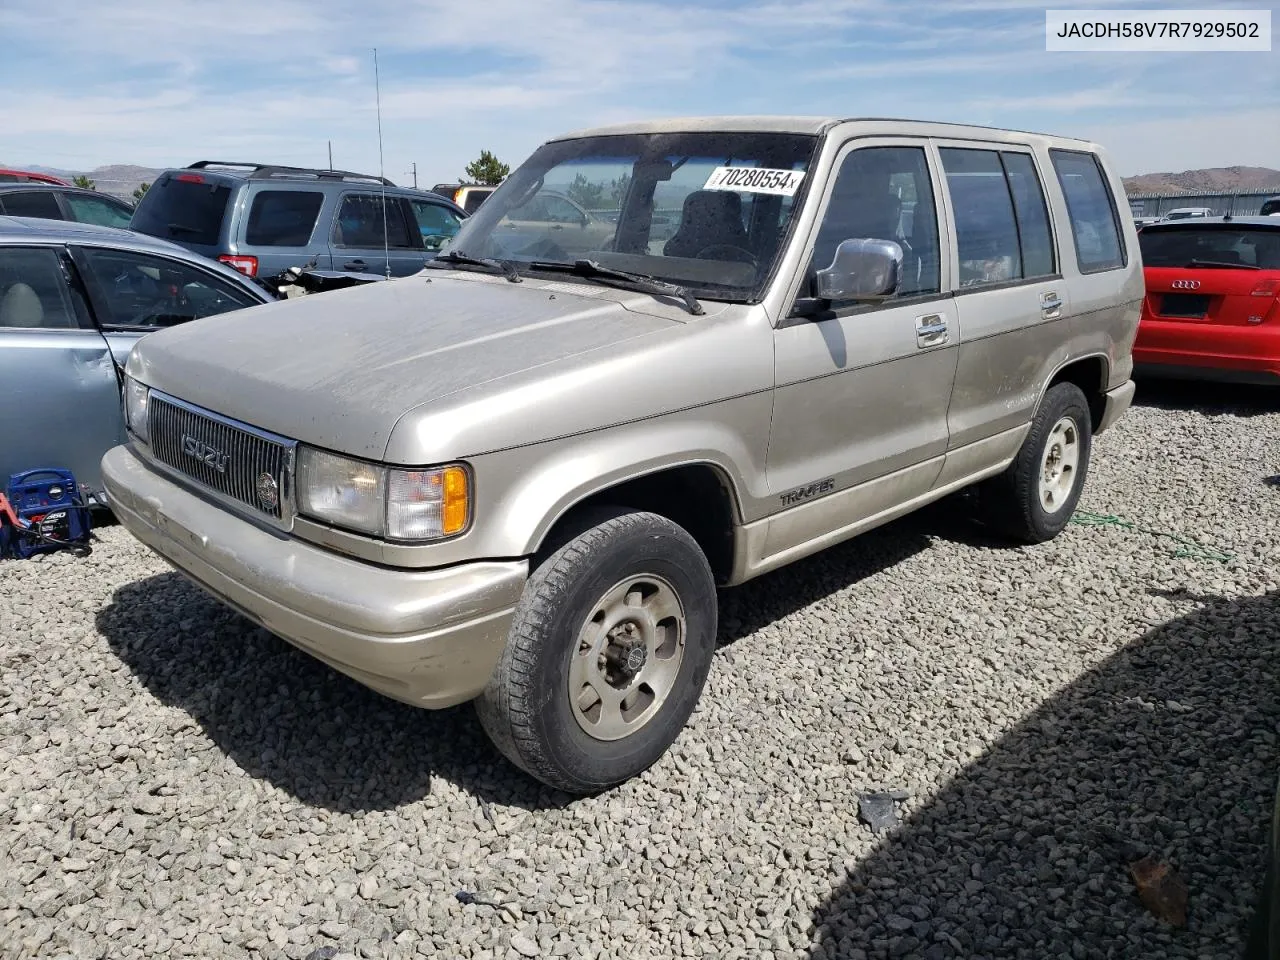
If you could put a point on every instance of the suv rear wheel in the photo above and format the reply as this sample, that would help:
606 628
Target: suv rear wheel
1033 500
607 655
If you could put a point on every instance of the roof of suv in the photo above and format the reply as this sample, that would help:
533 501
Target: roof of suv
795 124
270 171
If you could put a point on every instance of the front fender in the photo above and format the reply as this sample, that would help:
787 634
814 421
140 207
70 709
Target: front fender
534 487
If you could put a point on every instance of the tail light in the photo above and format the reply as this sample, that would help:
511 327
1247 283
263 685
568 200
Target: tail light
246 265
1265 288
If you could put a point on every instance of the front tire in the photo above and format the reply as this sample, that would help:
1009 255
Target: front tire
608 653
1034 499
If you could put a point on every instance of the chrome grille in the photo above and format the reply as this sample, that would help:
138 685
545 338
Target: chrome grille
244 453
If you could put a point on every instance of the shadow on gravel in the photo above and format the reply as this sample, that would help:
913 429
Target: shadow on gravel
1213 399
1168 748
760 602
287 718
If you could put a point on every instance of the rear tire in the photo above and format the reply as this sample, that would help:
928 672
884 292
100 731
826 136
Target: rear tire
608 653
1034 499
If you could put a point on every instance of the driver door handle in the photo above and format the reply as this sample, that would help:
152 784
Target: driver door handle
932 330
354 265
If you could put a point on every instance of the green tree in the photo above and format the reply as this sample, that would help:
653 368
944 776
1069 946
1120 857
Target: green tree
141 189
618 189
487 169
84 182
586 193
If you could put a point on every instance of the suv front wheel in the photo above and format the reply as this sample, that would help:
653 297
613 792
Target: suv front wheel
608 653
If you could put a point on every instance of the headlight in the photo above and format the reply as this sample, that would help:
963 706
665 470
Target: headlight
383 501
135 408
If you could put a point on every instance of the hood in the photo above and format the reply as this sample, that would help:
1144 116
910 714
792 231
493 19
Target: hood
337 370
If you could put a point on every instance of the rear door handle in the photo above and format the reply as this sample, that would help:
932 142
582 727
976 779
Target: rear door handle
932 330
353 265
1050 305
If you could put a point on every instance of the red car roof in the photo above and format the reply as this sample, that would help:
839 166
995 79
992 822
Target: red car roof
28 176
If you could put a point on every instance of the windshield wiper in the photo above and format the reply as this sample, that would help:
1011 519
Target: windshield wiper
1223 264
639 282
505 267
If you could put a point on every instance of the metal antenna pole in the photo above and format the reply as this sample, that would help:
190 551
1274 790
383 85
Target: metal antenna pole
386 241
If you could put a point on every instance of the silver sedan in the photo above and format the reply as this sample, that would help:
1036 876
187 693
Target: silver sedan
74 298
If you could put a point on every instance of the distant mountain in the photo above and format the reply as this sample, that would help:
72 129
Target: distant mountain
122 179
117 179
1213 180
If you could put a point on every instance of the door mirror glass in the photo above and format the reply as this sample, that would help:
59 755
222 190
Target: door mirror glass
862 269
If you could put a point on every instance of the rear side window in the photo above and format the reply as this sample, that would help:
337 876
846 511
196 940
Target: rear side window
186 209
31 203
33 290
1095 225
97 210
986 229
1034 233
282 218
360 223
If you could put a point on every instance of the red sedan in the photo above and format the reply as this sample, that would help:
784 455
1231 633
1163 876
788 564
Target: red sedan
1212 309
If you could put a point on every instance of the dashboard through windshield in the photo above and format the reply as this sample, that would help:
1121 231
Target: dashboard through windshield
709 212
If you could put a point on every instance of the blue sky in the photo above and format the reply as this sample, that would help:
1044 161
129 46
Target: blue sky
166 82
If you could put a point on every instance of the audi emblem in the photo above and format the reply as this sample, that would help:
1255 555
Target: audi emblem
1185 284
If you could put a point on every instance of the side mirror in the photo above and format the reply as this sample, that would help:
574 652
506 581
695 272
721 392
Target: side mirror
861 269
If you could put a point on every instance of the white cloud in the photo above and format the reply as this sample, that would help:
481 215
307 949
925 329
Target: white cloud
279 87
1187 142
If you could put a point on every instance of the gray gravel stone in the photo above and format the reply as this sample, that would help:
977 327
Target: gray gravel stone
180 783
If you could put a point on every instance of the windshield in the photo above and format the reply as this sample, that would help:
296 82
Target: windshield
1179 246
706 211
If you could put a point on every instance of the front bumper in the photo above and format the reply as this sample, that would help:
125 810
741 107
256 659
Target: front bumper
426 637
1117 402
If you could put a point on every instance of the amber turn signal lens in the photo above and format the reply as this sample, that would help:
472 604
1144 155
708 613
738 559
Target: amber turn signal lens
457 501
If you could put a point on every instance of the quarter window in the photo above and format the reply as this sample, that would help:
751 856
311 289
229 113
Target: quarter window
1095 225
360 222
884 193
282 218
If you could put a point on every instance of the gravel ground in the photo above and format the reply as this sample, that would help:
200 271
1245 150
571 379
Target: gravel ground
178 783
